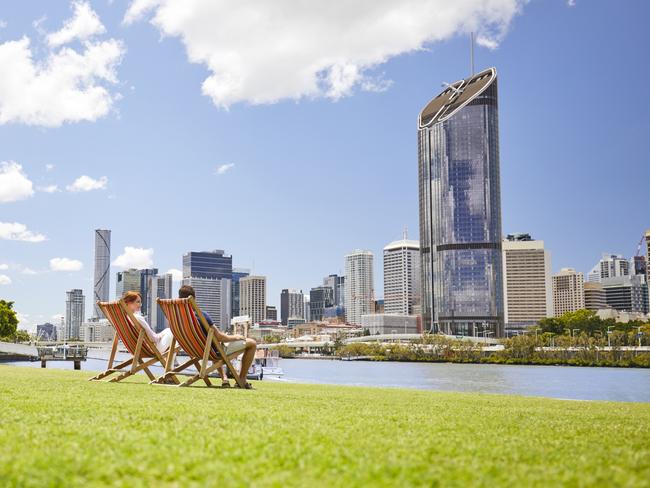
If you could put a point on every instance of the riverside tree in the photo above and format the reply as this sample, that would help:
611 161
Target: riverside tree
8 319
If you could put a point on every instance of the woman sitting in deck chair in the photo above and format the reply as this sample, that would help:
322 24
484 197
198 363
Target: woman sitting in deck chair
162 340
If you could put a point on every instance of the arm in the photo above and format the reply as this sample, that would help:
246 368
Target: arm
221 337
152 335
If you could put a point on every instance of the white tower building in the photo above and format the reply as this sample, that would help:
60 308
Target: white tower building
402 277
359 293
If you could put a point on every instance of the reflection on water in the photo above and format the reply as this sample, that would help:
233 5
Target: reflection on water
616 384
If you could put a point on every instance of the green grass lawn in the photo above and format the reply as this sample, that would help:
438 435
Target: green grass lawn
57 429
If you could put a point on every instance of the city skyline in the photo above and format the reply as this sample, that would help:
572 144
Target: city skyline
133 152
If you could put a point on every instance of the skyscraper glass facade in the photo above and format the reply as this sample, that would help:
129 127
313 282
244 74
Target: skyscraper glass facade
460 209
212 265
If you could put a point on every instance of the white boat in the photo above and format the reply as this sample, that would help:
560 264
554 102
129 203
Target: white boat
269 359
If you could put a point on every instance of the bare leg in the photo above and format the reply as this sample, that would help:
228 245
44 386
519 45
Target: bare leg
247 358
224 377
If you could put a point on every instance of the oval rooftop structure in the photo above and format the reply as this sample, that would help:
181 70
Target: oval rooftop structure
455 97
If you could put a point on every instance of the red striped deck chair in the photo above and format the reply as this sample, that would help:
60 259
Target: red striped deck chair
129 330
196 337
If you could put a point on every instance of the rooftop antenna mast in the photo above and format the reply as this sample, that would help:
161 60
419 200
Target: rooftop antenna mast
471 52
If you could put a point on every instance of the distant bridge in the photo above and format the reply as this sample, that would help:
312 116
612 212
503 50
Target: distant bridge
18 349
389 338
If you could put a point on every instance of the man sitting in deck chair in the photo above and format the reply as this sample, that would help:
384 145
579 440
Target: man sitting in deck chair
233 343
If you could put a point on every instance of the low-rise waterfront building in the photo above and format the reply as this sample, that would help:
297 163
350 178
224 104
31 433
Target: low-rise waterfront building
97 330
390 323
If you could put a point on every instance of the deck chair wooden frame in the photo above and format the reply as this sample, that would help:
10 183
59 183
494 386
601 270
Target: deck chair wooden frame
198 339
132 334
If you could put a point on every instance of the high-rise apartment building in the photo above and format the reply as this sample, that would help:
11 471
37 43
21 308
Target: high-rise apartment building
102 275
359 286
610 266
527 288
74 313
253 297
402 277
568 291
460 208
291 305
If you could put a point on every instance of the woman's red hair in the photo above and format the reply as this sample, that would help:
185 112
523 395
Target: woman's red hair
131 296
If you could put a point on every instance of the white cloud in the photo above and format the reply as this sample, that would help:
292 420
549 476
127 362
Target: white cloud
84 24
487 42
66 85
29 271
14 184
177 274
18 232
265 51
3 24
224 167
4 267
135 257
49 167
86 183
5 280
48 188
65 264
571 3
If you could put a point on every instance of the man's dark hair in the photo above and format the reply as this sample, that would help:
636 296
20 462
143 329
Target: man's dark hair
186 291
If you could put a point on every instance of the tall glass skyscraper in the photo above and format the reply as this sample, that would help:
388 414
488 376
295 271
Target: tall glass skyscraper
102 279
460 209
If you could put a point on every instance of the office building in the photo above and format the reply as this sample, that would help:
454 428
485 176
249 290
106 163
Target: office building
102 275
127 280
568 291
527 288
271 313
158 287
402 277
237 274
337 284
210 273
253 297
610 266
626 293
460 208
320 298
145 281
359 286
75 306
307 312
207 264
46 332
292 305
595 296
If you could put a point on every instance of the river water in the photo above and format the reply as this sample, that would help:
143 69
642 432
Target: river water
615 384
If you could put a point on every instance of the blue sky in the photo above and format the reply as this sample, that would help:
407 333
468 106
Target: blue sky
319 162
